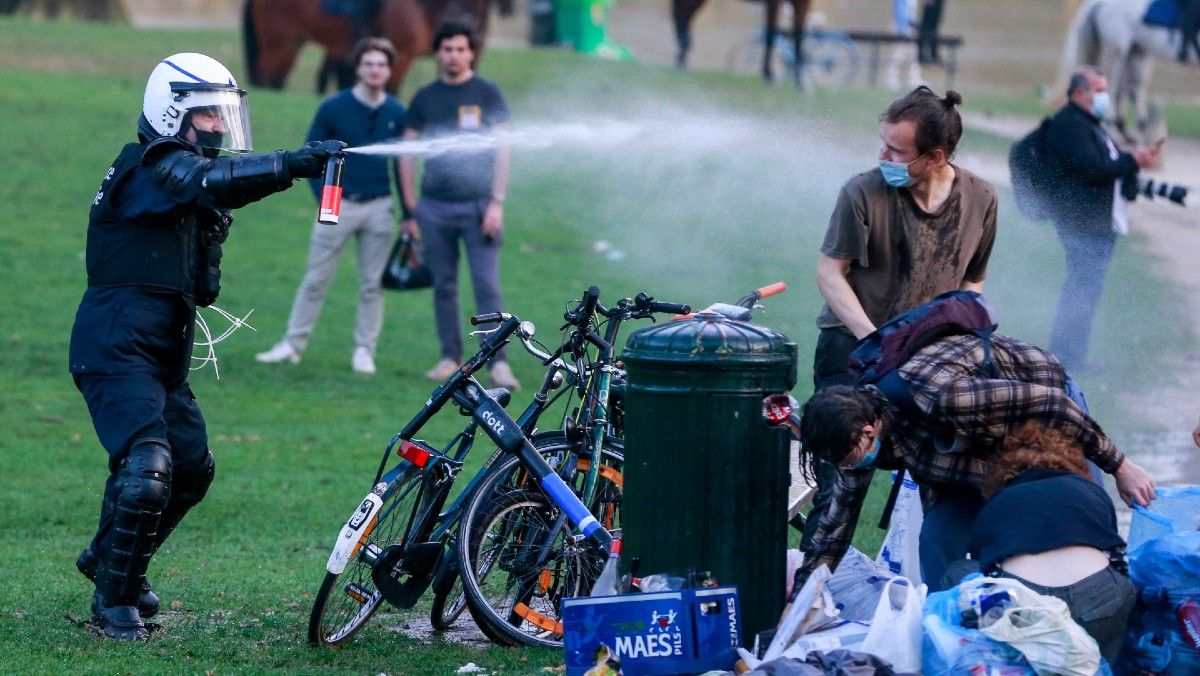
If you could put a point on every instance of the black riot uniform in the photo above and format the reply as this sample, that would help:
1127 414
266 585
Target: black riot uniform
153 255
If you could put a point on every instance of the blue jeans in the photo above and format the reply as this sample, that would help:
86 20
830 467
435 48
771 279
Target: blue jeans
1087 256
946 532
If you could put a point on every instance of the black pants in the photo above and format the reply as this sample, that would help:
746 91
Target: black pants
829 368
130 353
1189 23
927 32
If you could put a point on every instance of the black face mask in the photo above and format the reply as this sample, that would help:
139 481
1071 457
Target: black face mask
205 139
209 139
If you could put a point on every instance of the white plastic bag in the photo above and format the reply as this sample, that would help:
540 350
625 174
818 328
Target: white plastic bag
857 584
1041 628
895 633
901 546
847 635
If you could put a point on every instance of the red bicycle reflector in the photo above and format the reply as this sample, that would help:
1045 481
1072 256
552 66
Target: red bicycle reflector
413 453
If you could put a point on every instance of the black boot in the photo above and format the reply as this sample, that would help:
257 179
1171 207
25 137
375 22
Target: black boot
147 601
143 489
123 623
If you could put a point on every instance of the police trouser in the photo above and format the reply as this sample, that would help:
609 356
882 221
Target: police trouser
142 399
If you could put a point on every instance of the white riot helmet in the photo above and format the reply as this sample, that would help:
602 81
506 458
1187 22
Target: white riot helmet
192 91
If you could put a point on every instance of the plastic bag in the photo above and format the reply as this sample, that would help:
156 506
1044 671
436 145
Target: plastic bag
1166 572
901 546
1167 564
857 584
1040 627
1174 510
847 635
895 633
950 649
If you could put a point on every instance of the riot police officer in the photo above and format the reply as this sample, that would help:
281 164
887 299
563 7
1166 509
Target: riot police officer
154 240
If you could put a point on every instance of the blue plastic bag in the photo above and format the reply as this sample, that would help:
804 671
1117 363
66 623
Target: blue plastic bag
950 649
1174 510
1166 572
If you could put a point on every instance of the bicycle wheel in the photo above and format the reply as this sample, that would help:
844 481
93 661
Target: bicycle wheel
746 57
448 605
518 558
346 600
831 59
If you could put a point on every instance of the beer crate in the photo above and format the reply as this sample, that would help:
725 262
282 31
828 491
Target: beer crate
671 632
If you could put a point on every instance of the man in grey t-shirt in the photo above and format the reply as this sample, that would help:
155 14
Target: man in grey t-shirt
912 228
462 193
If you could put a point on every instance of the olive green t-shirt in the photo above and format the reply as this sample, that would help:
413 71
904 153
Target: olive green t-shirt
902 256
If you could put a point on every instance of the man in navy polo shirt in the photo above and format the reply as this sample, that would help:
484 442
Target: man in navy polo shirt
361 115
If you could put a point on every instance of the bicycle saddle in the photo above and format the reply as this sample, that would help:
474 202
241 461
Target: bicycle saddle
501 395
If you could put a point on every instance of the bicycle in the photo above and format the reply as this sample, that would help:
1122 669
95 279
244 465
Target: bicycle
517 559
395 544
831 57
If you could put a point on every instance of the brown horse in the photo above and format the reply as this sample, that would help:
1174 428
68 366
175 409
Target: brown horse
274 31
682 12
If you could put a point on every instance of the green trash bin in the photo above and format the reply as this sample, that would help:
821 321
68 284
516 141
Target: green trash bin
705 479
583 24
566 21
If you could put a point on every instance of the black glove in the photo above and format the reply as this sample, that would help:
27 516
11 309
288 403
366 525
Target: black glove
309 160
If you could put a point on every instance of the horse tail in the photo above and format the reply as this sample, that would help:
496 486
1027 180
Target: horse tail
1082 46
250 43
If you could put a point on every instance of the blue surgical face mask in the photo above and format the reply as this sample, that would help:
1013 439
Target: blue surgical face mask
869 458
1101 105
896 173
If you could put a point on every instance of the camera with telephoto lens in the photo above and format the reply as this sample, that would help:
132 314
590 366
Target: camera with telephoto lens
1151 188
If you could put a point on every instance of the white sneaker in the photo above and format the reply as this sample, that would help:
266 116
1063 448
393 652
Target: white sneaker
502 376
281 353
443 370
363 361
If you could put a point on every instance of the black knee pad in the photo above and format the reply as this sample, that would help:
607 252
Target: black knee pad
190 487
145 475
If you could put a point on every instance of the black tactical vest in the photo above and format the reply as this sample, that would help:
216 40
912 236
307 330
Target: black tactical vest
164 252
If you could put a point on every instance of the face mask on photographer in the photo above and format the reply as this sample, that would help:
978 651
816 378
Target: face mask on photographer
1101 105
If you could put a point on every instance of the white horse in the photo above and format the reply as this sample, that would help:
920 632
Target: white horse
1110 35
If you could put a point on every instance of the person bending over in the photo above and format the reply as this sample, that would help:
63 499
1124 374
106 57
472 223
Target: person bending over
947 439
1047 525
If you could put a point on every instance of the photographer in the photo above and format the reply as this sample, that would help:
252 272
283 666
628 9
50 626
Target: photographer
1090 180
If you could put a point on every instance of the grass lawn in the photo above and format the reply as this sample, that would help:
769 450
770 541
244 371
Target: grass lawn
728 186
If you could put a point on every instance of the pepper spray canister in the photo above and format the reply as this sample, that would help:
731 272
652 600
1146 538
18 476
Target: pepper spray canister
331 193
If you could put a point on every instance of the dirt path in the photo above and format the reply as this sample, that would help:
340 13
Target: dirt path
1172 237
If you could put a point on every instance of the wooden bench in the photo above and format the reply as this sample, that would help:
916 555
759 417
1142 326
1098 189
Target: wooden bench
877 40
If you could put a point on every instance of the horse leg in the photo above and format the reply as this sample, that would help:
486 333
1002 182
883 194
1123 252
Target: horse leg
799 25
769 30
682 12
278 44
1137 75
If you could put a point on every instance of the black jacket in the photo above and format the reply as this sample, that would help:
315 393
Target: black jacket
1082 172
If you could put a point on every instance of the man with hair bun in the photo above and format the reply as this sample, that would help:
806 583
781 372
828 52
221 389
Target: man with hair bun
901 233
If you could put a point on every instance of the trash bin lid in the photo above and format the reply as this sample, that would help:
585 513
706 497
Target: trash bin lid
710 341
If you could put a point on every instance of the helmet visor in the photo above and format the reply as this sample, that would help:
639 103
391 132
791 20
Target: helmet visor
220 118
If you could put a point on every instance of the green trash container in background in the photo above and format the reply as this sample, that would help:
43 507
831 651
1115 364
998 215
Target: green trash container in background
705 479
583 24
566 21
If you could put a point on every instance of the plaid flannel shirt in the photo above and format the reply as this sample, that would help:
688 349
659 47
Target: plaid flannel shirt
947 385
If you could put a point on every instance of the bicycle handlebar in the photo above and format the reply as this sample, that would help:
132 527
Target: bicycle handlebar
582 314
489 318
748 300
